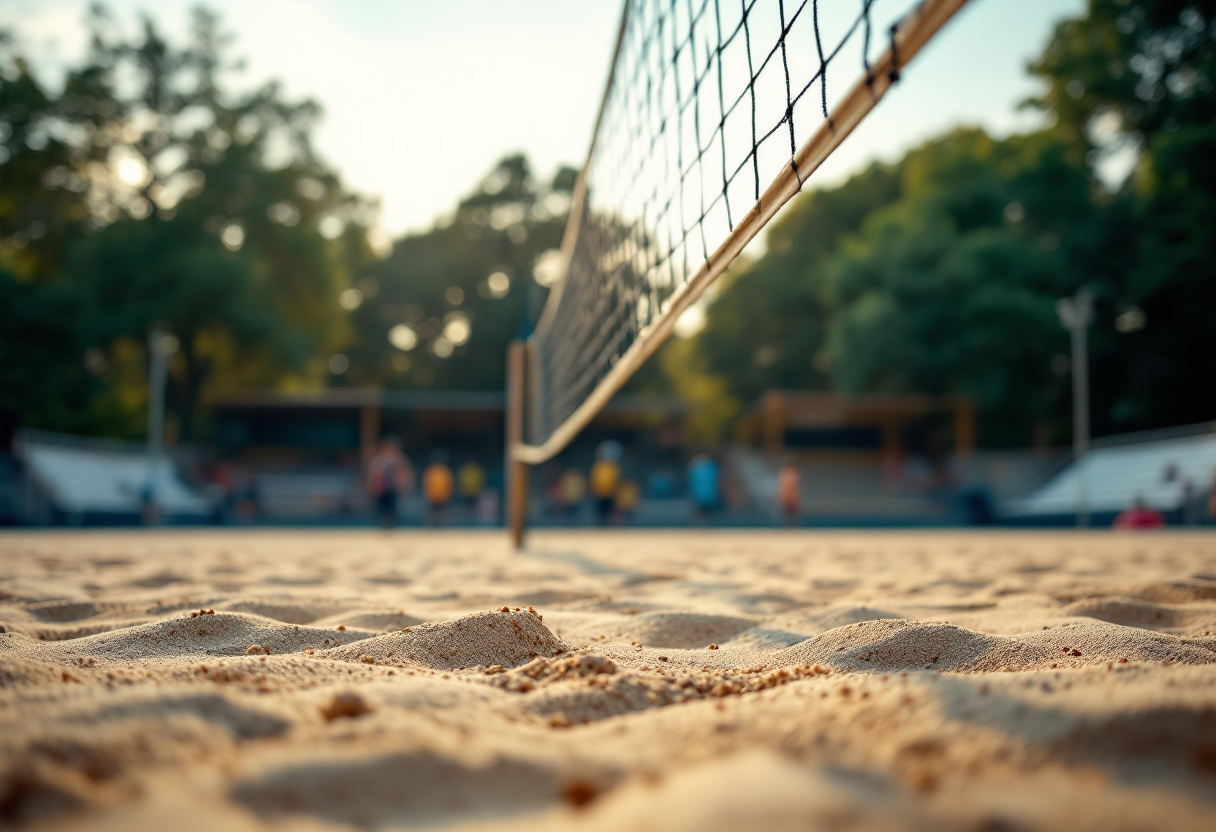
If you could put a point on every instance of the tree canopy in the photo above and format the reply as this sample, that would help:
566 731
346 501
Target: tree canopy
441 308
939 273
144 193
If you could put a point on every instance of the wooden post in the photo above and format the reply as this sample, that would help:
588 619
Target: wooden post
516 475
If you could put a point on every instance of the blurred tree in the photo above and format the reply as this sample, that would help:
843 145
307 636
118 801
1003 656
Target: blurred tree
782 289
166 200
1128 70
1137 78
136 274
42 354
440 309
938 275
951 288
42 205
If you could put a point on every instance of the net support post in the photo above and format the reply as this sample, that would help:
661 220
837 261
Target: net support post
516 474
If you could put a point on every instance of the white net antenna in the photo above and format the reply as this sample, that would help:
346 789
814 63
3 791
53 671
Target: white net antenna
715 114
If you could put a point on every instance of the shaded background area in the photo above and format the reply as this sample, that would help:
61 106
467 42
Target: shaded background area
894 339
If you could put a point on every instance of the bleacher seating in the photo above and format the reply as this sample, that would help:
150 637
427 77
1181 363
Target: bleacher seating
1157 471
298 494
107 480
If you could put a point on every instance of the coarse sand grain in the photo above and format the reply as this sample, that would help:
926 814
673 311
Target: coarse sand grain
699 681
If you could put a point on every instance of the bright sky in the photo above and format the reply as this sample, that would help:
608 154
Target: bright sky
422 96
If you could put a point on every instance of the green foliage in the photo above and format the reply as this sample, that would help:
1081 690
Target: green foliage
144 193
41 354
711 406
951 288
152 196
1133 67
939 274
36 221
140 274
935 275
1141 74
439 284
1165 373
782 290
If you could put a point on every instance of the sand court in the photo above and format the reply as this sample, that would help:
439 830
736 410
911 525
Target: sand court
607 680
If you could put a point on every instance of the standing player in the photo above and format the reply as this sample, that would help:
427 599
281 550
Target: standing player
605 477
703 486
438 486
789 493
471 478
388 475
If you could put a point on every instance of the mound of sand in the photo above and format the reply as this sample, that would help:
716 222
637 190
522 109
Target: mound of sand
887 645
401 789
206 634
683 629
65 632
287 611
1178 618
505 638
374 620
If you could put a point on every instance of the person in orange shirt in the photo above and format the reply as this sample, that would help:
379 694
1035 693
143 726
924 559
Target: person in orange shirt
789 493
438 485
1212 496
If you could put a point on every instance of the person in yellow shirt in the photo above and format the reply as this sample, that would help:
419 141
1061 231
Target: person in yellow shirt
789 493
628 495
438 485
605 477
470 480
572 490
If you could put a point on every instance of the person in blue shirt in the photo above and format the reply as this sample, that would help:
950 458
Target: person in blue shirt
703 485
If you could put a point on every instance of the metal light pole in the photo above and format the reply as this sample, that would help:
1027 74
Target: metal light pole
160 346
1076 314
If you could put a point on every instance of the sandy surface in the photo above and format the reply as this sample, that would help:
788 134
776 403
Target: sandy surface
674 681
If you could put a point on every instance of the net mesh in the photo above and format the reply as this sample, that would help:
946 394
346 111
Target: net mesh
708 101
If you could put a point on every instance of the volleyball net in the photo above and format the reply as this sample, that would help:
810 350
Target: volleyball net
715 115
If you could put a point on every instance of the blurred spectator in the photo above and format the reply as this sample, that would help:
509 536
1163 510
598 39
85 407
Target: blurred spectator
471 479
551 489
789 493
1212 496
703 485
245 497
605 477
219 491
438 486
1186 512
487 507
389 475
1139 516
571 492
627 497
149 508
